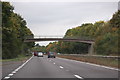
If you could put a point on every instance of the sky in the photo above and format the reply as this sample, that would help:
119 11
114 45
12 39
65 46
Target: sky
55 18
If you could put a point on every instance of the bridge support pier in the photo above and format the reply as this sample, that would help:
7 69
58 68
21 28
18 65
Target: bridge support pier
91 49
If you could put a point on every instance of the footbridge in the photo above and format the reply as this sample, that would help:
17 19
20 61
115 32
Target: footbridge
70 39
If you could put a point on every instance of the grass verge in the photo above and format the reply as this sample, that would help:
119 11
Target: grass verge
101 61
19 58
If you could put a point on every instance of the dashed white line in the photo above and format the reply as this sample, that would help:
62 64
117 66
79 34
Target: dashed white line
77 76
92 64
6 77
61 67
10 75
53 63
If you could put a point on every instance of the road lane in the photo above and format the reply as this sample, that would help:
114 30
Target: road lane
43 67
86 70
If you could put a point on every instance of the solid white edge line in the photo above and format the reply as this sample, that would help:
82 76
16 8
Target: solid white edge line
23 64
7 77
13 72
10 75
78 77
111 68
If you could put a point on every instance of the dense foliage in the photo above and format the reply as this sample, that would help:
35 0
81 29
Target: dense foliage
105 34
14 31
39 48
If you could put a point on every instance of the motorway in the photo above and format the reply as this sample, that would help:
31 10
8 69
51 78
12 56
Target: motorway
43 67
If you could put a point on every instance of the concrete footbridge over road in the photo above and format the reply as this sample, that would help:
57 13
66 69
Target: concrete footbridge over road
52 38
60 38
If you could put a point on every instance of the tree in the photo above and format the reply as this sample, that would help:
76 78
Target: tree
115 21
14 31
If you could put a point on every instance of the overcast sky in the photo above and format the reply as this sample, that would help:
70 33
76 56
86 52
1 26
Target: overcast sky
55 18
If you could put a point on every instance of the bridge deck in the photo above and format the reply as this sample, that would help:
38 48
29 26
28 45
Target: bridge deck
59 39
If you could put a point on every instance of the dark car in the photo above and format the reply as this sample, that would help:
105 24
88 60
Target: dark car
35 53
51 54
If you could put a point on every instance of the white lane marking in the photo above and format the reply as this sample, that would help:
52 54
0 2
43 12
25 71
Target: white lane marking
6 77
16 70
13 72
78 77
92 64
53 63
61 67
10 75
103 66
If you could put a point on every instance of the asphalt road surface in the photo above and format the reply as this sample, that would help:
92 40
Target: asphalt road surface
43 67
9 66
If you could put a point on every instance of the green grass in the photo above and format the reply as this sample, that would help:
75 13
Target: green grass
19 58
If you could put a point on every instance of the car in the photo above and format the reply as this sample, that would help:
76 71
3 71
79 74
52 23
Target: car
40 54
51 54
58 53
35 53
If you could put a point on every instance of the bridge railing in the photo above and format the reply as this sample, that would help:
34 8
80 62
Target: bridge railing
43 36
60 36
79 37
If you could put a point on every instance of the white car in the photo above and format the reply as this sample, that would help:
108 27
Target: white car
40 54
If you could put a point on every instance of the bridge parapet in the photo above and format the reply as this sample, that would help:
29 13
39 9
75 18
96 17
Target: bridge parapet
79 37
58 36
70 39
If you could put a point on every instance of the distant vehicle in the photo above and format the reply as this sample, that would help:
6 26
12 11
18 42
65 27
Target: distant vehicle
51 54
40 54
35 53
58 53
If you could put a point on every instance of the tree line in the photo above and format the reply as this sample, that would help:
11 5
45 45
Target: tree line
14 31
105 35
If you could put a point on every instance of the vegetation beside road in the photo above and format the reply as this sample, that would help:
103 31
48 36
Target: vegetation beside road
14 31
101 61
19 58
105 35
